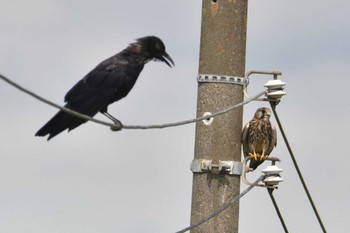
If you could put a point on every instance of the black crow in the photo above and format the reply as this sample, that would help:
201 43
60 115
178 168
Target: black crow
110 81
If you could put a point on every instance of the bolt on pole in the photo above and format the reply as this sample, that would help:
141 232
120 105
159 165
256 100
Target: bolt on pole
222 52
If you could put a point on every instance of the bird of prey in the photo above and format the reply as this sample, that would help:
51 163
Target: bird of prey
259 137
108 82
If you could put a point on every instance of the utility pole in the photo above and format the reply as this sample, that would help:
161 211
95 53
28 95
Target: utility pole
222 52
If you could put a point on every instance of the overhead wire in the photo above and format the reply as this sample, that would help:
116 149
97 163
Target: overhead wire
195 119
116 127
67 110
270 191
224 207
273 106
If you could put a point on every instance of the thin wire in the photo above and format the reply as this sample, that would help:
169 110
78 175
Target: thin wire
67 110
195 119
273 106
115 127
270 190
230 203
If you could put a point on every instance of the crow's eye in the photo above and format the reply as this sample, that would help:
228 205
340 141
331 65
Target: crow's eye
159 46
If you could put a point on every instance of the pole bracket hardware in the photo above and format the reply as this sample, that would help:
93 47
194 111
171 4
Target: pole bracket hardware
215 78
274 87
226 167
271 174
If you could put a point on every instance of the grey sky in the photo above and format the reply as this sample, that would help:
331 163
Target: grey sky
94 180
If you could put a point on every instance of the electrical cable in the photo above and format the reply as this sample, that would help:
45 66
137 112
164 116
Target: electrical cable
230 203
195 119
273 106
116 127
67 110
270 191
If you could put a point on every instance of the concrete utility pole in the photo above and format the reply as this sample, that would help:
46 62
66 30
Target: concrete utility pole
222 52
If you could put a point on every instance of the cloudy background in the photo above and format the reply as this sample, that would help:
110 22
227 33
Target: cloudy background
94 180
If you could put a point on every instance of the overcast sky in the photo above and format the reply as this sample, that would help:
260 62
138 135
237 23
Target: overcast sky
93 180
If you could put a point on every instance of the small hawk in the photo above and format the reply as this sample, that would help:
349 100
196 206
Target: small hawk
259 137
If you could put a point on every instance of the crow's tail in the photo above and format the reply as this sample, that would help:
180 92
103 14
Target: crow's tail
59 123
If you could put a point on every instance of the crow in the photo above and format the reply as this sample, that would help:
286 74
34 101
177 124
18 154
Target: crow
109 82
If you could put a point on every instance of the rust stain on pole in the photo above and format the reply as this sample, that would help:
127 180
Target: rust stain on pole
223 48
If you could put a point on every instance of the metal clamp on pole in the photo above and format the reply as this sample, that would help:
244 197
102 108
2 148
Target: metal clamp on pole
226 167
215 78
272 173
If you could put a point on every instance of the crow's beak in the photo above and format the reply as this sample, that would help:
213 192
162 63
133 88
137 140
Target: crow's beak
166 58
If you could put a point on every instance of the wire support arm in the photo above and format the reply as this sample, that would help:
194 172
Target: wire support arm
224 207
273 106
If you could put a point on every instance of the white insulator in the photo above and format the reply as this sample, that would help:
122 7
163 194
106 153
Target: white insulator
272 180
275 84
276 94
275 89
272 172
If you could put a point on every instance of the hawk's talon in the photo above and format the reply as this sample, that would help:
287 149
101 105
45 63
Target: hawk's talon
263 156
254 155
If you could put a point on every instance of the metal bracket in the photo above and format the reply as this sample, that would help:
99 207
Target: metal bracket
274 87
215 78
207 165
272 177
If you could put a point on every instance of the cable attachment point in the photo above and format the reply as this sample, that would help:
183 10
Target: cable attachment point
274 87
208 120
207 165
271 174
116 127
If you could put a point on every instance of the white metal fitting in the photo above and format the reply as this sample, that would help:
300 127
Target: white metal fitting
230 167
275 89
207 165
216 78
209 120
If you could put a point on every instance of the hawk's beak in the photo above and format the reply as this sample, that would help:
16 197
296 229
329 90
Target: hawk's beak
267 115
166 58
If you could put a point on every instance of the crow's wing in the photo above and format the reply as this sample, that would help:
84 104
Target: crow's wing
110 81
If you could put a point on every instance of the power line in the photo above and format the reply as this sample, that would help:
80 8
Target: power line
115 127
273 106
230 203
270 191
226 110
67 110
